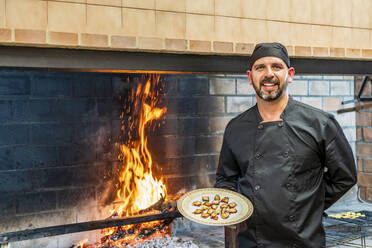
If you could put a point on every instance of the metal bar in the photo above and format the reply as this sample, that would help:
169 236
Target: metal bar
83 226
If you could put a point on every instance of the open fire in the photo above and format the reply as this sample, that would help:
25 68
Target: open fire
138 190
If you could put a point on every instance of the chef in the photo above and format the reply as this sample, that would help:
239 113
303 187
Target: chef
290 159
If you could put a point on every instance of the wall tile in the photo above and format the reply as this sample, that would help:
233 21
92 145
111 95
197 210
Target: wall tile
103 19
105 2
201 7
172 5
64 17
253 8
139 22
26 14
227 8
321 35
321 13
246 48
278 10
5 35
199 27
227 29
341 37
170 25
341 13
145 4
299 34
301 11
278 32
360 13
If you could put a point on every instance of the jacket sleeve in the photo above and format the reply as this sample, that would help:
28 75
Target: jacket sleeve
227 171
340 174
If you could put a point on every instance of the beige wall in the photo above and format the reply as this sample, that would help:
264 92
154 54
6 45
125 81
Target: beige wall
331 28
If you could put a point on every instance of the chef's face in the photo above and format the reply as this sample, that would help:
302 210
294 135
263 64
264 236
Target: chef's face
270 77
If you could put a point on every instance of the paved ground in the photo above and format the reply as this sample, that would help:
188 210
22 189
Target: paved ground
213 237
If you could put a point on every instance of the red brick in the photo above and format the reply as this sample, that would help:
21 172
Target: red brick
359 134
320 51
176 44
302 51
125 42
364 179
151 43
62 38
364 119
290 50
245 48
367 165
94 40
369 194
200 46
360 165
367 134
337 52
30 36
353 52
5 35
364 149
223 47
367 53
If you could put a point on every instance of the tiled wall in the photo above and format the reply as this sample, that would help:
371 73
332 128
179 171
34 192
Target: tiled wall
309 28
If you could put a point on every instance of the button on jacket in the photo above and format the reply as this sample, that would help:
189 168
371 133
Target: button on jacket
291 170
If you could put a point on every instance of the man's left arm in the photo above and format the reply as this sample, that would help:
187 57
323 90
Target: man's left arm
339 159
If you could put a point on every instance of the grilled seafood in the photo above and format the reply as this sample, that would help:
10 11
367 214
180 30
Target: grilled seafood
225 215
220 206
232 205
205 215
198 211
232 210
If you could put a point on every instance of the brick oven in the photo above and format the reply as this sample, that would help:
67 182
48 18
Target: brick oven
65 70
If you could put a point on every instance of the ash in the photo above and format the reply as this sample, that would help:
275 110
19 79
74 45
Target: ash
165 242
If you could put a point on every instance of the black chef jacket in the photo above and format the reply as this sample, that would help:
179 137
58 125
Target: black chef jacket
291 170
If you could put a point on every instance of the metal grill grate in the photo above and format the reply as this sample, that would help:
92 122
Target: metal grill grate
348 232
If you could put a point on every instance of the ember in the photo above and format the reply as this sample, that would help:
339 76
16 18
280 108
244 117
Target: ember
138 191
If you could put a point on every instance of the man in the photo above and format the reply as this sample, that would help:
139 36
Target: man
290 159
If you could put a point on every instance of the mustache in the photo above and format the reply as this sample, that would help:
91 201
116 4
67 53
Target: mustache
270 80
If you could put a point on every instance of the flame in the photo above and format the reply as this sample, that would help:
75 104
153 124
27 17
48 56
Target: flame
139 189
81 243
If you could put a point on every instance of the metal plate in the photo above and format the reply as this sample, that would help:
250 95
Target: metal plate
244 206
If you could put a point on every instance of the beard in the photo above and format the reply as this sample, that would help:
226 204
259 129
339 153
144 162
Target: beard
274 94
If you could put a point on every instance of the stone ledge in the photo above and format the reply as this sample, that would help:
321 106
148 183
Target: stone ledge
41 38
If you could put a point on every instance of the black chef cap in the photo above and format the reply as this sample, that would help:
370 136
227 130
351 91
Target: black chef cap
274 49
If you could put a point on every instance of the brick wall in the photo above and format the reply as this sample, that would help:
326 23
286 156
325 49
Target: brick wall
335 29
364 143
57 165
